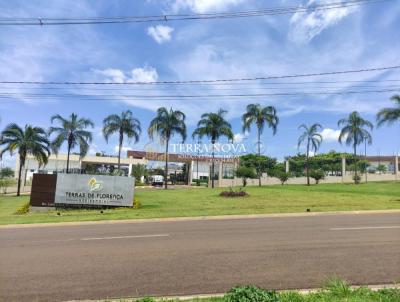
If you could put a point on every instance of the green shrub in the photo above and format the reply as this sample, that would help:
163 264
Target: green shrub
23 209
250 293
338 287
283 177
136 203
357 178
317 175
244 173
146 299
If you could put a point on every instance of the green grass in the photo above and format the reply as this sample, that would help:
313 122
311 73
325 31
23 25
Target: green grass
335 291
207 202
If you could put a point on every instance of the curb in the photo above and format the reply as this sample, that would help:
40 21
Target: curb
196 218
219 295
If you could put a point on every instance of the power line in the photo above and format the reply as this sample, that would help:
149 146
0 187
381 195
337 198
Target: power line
206 81
199 96
181 17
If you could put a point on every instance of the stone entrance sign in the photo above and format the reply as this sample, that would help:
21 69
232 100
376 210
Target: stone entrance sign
94 190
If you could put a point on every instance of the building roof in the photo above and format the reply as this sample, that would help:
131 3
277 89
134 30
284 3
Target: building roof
379 158
174 157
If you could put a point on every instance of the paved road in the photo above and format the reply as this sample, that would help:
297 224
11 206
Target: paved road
192 257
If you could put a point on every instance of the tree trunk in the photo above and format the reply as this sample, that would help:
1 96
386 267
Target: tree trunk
166 166
121 139
259 154
21 164
68 152
355 164
212 167
307 163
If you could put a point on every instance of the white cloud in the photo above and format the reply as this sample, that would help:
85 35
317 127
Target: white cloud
304 26
202 6
114 75
124 149
330 135
239 137
145 74
160 33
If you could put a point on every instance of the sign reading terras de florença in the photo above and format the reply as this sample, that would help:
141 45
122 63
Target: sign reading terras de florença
94 190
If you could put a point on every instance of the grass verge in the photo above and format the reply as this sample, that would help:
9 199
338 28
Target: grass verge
158 203
335 291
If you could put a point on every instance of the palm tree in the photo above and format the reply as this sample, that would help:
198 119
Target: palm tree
214 126
30 140
354 133
124 124
166 124
313 139
261 117
73 132
389 115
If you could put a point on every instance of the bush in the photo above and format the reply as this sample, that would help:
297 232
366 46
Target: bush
146 299
136 203
232 193
317 175
357 178
5 183
244 173
283 177
250 293
23 209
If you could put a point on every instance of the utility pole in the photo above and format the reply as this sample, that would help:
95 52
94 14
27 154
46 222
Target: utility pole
366 168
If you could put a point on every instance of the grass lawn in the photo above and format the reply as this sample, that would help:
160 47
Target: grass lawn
334 291
207 202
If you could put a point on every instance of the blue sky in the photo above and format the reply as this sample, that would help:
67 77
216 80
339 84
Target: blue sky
341 39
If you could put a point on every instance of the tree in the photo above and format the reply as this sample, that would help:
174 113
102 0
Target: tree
317 175
381 168
261 117
138 171
73 131
6 172
354 133
166 124
124 124
214 126
30 140
283 176
389 115
244 173
260 163
313 140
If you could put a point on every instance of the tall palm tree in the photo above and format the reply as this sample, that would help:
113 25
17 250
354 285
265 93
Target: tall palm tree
166 124
73 131
313 140
261 117
354 133
30 140
214 126
124 124
389 115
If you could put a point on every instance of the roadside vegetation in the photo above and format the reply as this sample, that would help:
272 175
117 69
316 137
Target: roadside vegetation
334 291
158 203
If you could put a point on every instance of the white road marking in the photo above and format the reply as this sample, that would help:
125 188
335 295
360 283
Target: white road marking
366 228
125 237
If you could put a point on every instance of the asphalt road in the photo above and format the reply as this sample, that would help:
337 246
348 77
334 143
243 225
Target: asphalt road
196 257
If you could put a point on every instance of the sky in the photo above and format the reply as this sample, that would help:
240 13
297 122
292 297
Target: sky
349 38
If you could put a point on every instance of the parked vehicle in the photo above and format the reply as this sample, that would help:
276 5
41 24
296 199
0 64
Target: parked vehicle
156 180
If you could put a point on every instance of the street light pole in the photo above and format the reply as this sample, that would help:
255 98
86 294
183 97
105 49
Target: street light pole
366 170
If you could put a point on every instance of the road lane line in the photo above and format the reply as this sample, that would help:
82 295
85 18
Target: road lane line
125 237
366 228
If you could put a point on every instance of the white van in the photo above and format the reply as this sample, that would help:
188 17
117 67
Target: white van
157 180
